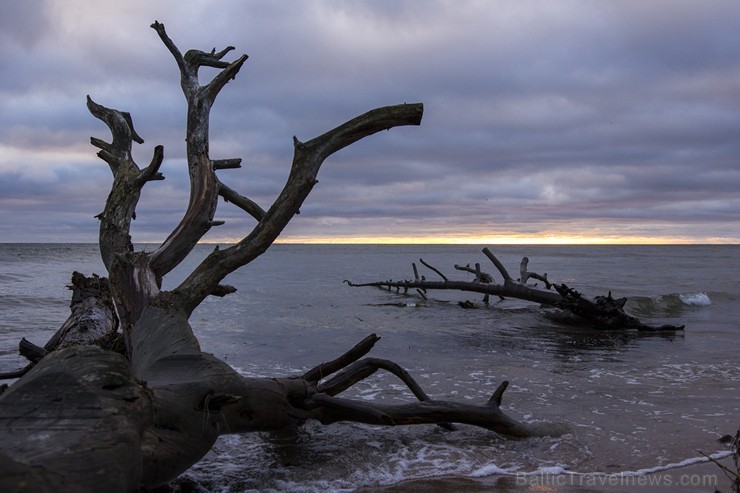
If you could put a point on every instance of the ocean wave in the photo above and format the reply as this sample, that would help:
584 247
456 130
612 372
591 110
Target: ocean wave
668 305
13 277
352 456
282 470
695 299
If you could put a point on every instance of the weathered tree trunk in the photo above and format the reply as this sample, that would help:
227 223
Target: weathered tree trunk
602 312
92 321
92 413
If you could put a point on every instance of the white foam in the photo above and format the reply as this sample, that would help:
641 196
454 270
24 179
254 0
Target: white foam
490 470
542 471
667 467
695 299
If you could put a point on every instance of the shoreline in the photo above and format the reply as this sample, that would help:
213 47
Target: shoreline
700 477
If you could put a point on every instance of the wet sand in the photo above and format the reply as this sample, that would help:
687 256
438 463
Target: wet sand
704 477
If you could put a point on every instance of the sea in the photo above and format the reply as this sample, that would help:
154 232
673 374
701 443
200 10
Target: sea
630 405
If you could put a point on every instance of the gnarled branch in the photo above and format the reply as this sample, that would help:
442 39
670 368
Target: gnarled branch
151 172
204 186
525 275
307 160
128 180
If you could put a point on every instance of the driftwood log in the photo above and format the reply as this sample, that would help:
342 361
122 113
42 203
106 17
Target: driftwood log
601 312
122 398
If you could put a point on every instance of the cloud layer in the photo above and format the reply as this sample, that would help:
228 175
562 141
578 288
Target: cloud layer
543 119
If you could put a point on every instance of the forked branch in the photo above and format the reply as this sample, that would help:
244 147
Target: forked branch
307 160
327 408
204 186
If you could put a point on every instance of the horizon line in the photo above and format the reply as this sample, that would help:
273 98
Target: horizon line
407 242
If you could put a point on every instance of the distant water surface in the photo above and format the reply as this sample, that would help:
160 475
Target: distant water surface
632 403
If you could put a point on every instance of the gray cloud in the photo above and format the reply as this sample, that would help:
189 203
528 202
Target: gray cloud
541 118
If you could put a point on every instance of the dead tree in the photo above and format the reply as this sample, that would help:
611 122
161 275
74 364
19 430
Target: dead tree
138 403
601 312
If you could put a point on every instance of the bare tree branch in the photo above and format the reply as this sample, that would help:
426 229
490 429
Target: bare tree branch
498 264
307 160
227 163
186 77
245 204
479 275
128 180
204 186
151 172
331 409
433 268
121 129
223 77
325 369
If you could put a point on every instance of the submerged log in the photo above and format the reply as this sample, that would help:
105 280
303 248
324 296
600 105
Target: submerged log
604 311
601 312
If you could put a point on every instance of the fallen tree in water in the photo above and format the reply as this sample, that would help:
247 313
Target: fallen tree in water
602 312
122 397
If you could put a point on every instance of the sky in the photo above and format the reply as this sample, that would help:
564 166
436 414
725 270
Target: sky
548 121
